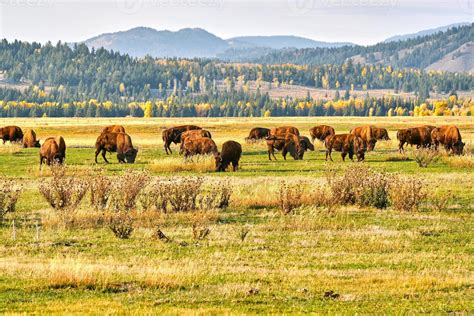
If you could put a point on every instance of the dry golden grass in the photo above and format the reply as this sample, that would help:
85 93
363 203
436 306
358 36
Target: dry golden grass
179 164
11 148
466 161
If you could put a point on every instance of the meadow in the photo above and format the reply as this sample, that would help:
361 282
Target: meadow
253 258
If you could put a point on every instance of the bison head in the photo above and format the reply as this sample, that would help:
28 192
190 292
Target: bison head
371 144
359 148
458 148
218 159
129 156
37 144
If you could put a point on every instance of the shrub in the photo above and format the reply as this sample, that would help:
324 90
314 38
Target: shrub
439 201
121 224
63 192
128 187
289 196
217 196
407 194
424 157
9 193
101 189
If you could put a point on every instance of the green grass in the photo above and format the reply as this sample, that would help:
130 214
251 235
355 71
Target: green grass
378 261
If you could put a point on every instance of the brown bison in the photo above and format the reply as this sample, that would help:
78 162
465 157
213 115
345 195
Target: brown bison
346 144
53 150
173 135
120 143
380 133
321 132
11 134
305 146
231 152
113 129
450 137
29 139
419 136
195 133
287 143
199 146
257 133
284 129
366 133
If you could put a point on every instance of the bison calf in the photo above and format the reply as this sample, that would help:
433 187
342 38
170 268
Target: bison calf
120 143
29 139
287 143
199 146
53 150
231 152
346 144
257 133
321 132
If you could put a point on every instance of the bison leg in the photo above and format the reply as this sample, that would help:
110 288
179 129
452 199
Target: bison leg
329 152
343 155
351 156
400 147
168 148
103 155
235 165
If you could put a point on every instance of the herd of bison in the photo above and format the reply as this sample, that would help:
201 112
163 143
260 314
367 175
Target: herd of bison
194 140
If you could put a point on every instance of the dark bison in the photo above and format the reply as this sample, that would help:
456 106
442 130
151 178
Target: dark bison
199 146
321 132
419 136
450 137
113 129
284 129
366 133
173 135
195 133
120 143
287 143
380 133
11 134
305 146
53 150
257 133
231 152
346 144
29 139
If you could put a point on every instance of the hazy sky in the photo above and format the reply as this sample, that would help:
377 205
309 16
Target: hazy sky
357 21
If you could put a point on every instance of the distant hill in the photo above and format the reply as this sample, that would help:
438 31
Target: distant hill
194 42
424 32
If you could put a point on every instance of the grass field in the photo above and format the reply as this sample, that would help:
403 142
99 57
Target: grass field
373 261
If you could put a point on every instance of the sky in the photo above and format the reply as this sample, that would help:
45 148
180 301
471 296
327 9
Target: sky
362 22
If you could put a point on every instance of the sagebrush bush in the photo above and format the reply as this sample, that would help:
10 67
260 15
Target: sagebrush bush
439 201
407 194
217 196
359 185
127 188
63 192
425 156
121 224
10 191
289 196
100 189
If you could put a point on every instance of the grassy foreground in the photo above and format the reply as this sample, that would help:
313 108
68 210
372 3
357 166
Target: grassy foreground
346 261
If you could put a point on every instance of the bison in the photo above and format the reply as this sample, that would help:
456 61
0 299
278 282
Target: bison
11 134
120 143
346 144
29 139
173 135
366 133
231 152
196 133
257 133
305 146
113 129
419 136
199 146
450 137
380 133
321 132
53 150
287 143
284 130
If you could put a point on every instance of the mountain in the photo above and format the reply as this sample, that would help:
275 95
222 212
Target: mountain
280 41
141 41
424 32
194 42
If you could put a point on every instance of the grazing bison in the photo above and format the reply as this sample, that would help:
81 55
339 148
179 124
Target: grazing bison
231 152
113 129
346 144
450 137
419 136
321 132
257 133
380 133
284 129
199 146
120 143
173 135
29 139
305 146
366 133
11 134
287 143
195 133
53 150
